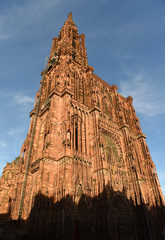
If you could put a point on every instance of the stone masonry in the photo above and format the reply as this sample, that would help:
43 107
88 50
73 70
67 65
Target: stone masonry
88 145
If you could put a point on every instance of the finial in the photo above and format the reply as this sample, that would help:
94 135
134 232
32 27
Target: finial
70 15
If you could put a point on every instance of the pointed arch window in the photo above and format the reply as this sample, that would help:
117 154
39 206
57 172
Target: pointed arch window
73 55
105 105
76 132
76 136
73 43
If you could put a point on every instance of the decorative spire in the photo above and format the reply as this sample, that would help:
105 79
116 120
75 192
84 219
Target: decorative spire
70 40
70 15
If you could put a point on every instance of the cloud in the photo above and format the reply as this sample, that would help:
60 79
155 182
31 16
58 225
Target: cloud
21 99
4 37
15 97
14 131
3 144
148 97
21 15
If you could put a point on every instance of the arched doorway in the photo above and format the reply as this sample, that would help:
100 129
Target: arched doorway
83 227
122 222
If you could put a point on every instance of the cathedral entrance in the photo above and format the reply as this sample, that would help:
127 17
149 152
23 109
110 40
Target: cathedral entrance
83 228
122 223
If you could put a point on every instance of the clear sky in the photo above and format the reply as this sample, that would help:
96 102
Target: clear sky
125 42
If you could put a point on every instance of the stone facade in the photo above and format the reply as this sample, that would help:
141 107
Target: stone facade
88 163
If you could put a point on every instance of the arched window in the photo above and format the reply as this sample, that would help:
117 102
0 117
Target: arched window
105 105
73 44
98 99
76 136
73 55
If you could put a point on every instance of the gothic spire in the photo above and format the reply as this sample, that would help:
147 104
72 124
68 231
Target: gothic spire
70 41
69 20
70 15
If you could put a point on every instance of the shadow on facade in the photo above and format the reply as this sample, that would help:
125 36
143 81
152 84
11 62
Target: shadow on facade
110 215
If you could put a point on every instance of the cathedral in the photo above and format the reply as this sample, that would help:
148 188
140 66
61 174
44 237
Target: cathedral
84 170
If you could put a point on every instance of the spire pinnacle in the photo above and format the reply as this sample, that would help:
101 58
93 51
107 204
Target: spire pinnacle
70 15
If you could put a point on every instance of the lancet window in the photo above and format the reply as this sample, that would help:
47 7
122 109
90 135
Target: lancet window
105 105
75 130
78 131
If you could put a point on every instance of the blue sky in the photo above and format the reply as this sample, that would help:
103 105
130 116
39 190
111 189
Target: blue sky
125 45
